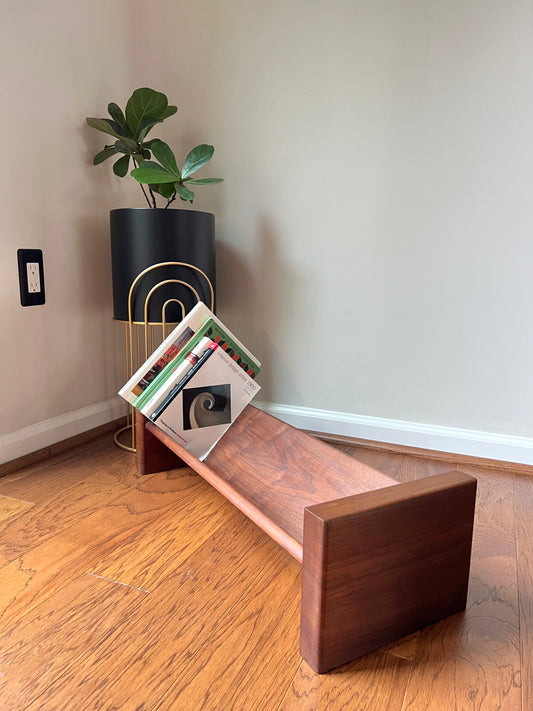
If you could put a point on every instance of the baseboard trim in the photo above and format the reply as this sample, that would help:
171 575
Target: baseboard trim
28 440
452 444
431 438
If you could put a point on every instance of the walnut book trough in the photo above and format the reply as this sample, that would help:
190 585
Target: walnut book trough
380 559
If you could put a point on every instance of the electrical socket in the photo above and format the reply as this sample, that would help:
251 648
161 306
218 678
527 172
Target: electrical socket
31 277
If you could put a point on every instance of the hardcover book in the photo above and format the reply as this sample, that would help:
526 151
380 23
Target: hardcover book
204 407
199 322
211 328
173 344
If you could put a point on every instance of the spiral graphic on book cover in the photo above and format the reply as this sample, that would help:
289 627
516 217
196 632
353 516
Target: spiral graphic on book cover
206 406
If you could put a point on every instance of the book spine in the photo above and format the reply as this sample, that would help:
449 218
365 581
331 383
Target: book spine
158 382
183 382
176 340
178 371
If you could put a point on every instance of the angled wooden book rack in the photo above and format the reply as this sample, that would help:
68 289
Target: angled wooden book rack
380 559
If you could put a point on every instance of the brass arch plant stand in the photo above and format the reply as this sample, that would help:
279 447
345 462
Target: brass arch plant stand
142 337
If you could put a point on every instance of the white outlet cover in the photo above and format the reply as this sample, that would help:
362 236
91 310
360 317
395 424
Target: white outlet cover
34 278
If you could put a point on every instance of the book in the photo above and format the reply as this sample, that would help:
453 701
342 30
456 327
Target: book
219 333
177 374
173 344
203 408
197 363
154 371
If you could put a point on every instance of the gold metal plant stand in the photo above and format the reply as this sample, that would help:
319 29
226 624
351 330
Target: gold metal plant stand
143 337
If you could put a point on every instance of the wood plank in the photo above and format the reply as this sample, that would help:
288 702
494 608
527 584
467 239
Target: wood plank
472 660
144 561
451 459
152 455
43 481
399 466
66 489
57 635
240 501
407 546
39 572
258 641
523 487
9 508
52 450
376 682
44 520
135 665
280 470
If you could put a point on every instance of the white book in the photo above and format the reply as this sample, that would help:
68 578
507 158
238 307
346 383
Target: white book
177 374
164 353
206 406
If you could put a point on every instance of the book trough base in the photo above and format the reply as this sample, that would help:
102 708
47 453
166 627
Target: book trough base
380 559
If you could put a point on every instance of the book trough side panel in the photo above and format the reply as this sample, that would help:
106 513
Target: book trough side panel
380 565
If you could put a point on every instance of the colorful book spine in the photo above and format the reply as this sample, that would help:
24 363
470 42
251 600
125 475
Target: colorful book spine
167 372
183 381
173 344
178 371
213 329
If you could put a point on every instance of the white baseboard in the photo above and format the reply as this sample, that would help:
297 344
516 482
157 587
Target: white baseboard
43 434
505 448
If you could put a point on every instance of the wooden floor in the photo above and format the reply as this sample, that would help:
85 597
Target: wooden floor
120 592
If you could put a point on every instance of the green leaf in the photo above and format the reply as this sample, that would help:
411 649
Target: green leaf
117 115
126 145
203 181
148 123
145 128
163 153
106 126
104 154
167 190
184 192
168 112
149 172
120 168
143 106
198 157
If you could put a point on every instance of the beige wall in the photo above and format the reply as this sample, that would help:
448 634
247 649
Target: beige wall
376 218
59 62
375 222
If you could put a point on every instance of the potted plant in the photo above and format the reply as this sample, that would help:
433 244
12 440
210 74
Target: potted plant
141 237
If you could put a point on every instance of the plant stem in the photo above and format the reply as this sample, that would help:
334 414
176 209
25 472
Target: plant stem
142 186
154 204
170 200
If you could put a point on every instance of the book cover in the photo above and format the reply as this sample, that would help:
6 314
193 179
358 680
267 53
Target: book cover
178 372
165 353
205 407
214 329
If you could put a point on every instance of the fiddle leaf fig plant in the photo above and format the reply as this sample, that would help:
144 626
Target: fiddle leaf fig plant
162 176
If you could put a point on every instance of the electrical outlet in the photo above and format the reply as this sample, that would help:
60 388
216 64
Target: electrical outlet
34 279
31 276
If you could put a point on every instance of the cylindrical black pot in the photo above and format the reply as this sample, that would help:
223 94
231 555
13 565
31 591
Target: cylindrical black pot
141 237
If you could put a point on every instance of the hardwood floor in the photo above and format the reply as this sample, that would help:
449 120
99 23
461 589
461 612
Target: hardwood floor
154 594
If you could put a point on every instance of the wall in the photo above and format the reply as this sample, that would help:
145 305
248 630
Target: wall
60 61
374 227
376 218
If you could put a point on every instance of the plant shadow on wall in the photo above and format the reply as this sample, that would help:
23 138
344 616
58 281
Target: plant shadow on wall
142 237
278 289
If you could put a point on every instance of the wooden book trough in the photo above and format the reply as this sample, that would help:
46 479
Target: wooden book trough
380 559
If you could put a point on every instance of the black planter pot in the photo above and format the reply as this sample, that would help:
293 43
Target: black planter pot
141 237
